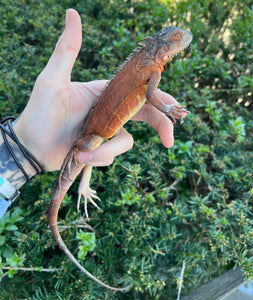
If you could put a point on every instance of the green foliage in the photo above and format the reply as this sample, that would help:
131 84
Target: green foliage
88 243
159 207
8 224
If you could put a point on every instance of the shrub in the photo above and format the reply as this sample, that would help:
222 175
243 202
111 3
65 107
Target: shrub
160 207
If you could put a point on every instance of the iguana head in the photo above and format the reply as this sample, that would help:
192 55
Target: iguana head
168 42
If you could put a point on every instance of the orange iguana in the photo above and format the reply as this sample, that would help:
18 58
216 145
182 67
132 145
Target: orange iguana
134 83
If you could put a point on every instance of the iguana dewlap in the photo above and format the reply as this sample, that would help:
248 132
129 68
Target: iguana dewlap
134 83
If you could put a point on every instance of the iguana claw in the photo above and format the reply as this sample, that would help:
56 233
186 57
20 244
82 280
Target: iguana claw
176 110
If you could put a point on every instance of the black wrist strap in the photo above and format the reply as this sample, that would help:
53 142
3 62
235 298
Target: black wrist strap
6 129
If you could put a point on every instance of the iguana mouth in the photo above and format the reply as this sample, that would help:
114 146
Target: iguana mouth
179 50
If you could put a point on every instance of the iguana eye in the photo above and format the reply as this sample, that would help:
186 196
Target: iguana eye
177 36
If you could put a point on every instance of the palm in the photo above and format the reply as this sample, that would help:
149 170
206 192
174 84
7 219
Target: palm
61 111
70 113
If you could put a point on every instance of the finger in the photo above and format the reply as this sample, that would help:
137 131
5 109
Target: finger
167 98
161 123
104 155
67 48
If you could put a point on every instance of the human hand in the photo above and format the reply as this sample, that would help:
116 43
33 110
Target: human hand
53 116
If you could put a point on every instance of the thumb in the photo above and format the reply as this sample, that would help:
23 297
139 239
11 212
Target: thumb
65 53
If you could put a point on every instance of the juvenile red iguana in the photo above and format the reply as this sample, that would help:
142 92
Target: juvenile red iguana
134 83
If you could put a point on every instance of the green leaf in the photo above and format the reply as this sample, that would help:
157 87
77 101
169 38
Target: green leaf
11 227
16 260
16 215
2 240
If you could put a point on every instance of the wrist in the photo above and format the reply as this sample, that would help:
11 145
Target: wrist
26 140
34 140
17 164
9 169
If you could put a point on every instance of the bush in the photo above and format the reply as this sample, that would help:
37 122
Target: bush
160 207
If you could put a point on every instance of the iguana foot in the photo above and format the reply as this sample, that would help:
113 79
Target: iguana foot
85 191
175 109
88 195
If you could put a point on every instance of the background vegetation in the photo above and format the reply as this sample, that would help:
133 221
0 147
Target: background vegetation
160 207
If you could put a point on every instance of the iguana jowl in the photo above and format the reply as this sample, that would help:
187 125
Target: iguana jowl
134 83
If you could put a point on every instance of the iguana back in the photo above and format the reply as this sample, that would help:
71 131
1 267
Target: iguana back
126 92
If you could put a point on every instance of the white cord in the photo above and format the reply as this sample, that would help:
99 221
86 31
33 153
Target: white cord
181 281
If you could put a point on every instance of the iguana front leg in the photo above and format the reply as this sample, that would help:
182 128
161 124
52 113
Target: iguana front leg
169 110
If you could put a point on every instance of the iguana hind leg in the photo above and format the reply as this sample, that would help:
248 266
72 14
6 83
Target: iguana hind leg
86 192
88 143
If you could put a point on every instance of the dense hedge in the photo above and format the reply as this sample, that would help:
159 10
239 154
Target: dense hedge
191 203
